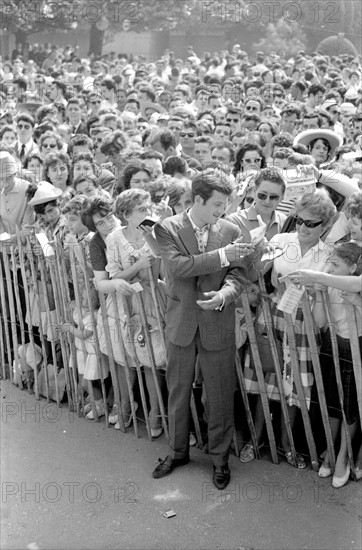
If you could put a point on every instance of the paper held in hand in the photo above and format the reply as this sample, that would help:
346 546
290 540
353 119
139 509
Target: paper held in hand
298 182
290 299
258 234
48 250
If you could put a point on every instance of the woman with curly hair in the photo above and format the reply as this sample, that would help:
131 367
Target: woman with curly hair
135 175
50 141
113 144
56 170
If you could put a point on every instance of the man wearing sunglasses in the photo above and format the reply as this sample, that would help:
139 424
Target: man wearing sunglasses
94 103
25 145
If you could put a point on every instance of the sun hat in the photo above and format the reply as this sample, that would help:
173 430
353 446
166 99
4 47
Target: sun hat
307 136
9 165
348 108
329 103
46 192
154 106
351 94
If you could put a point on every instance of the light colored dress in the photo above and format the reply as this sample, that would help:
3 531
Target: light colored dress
291 260
121 255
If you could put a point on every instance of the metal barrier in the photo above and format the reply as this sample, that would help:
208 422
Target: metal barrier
54 284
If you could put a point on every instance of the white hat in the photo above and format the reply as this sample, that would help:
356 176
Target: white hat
348 108
9 165
351 94
329 103
46 192
307 136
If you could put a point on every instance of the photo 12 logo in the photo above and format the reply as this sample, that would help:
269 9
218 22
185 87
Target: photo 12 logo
240 11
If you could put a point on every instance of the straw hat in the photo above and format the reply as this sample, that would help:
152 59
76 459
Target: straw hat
46 192
9 165
307 136
154 106
347 108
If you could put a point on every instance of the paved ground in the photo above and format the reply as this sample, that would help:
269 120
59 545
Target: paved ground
69 483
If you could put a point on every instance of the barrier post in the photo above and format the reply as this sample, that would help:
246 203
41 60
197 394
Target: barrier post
29 309
260 376
94 327
14 334
309 324
153 362
126 366
5 316
81 327
337 368
356 354
50 324
138 365
30 256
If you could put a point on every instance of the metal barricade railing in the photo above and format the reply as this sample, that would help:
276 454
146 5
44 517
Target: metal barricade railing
46 281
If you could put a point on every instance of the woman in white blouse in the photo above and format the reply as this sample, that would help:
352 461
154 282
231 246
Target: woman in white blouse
129 256
302 249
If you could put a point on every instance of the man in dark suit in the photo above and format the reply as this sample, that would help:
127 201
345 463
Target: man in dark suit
24 145
74 113
203 277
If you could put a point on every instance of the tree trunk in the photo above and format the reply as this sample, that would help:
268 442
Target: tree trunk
96 41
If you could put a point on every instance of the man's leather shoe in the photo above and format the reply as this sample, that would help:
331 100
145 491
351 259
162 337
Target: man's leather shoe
221 477
166 466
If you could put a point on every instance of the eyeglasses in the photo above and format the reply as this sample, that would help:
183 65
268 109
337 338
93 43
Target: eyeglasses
249 200
249 108
49 145
24 126
308 223
264 196
253 161
190 134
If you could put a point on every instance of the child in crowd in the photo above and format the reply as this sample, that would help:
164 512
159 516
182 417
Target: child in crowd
346 260
90 369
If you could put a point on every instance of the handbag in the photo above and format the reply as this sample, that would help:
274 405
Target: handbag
134 339
265 352
52 385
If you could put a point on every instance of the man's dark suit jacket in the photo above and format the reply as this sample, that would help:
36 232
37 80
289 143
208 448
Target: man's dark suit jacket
190 273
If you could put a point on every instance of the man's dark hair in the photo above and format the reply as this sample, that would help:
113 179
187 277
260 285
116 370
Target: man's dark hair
175 165
270 174
108 83
208 181
26 117
315 88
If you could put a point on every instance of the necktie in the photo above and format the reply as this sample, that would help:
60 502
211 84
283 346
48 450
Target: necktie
22 152
201 239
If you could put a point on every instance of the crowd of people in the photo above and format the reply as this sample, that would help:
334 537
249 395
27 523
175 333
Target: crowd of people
177 175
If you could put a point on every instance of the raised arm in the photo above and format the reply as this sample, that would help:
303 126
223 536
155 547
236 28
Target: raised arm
349 283
180 265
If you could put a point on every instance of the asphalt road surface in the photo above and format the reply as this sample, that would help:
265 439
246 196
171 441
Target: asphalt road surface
72 483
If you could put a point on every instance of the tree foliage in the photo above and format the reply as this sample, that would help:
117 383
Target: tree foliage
282 37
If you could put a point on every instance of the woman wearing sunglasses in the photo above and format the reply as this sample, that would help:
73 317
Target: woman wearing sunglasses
249 159
269 188
301 248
